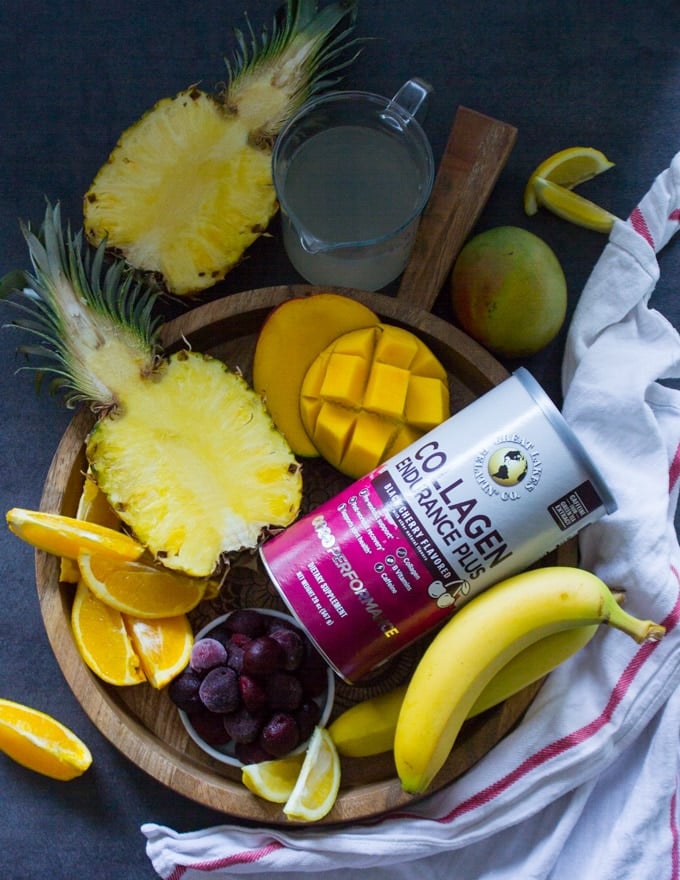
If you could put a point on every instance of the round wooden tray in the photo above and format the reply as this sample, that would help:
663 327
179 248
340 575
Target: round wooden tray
140 721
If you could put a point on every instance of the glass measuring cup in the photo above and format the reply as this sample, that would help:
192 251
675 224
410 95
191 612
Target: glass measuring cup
353 172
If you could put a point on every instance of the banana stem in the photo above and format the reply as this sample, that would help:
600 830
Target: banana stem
640 630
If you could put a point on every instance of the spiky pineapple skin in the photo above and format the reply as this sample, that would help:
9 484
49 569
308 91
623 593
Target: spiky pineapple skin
193 464
184 193
189 187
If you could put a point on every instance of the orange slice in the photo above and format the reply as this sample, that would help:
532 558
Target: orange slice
68 536
163 646
141 589
41 743
93 507
318 783
103 641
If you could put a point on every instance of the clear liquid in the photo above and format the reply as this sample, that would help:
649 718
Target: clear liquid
352 184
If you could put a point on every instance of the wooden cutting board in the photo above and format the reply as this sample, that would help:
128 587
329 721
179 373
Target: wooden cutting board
142 722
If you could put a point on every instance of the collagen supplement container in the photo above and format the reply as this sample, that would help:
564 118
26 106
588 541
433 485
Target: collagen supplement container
479 498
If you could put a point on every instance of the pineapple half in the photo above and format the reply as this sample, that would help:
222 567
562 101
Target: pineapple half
182 447
189 187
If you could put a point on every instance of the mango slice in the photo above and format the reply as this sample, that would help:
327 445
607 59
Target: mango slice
371 393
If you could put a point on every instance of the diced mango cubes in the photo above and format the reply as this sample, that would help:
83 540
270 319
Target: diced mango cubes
386 390
370 394
345 378
426 399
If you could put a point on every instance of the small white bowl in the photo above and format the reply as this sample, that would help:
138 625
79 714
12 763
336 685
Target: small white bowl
225 754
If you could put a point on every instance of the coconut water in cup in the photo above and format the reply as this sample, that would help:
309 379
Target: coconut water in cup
353 172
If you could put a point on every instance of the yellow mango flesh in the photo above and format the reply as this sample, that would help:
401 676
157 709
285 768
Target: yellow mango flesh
370 394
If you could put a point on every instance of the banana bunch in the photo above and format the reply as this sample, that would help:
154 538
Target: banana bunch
480 640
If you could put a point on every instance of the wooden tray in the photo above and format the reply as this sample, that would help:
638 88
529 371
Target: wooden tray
141 722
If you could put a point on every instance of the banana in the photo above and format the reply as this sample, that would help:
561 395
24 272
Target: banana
532 663
368 727
478 641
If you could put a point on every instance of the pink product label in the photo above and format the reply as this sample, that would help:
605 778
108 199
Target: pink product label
363 576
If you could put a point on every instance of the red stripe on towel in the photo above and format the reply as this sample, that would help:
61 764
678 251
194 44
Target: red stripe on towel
639 224
675 846
248 855
674 471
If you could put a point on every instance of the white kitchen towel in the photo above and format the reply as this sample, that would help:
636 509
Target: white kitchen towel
586 786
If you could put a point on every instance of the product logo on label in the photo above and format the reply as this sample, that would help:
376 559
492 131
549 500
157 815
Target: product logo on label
509 468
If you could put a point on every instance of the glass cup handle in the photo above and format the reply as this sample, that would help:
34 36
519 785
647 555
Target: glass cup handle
408 103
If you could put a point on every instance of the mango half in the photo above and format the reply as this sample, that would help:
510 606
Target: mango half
371 393
295 332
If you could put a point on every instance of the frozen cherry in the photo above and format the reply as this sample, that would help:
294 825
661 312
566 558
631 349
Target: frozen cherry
183 691
206 654
243 726
239 640
210 727
262 656
251 753
280 735
307 717
292 646
219 690
247 621
221 632
284 691
235 649
253 694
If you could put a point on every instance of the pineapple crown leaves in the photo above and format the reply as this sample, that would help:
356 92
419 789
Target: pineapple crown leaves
301 55
75 304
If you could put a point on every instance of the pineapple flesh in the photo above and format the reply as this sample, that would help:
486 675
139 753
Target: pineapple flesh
189 188
182 447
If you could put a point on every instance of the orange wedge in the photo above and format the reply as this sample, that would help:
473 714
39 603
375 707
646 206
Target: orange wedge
41 743
93 507
163 646
141 589
68 536
103 641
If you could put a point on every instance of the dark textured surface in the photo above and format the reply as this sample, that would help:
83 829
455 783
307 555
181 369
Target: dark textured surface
74 76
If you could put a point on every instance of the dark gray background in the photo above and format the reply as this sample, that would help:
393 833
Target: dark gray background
74 75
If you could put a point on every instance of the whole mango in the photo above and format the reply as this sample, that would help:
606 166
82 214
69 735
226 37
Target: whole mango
509 291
